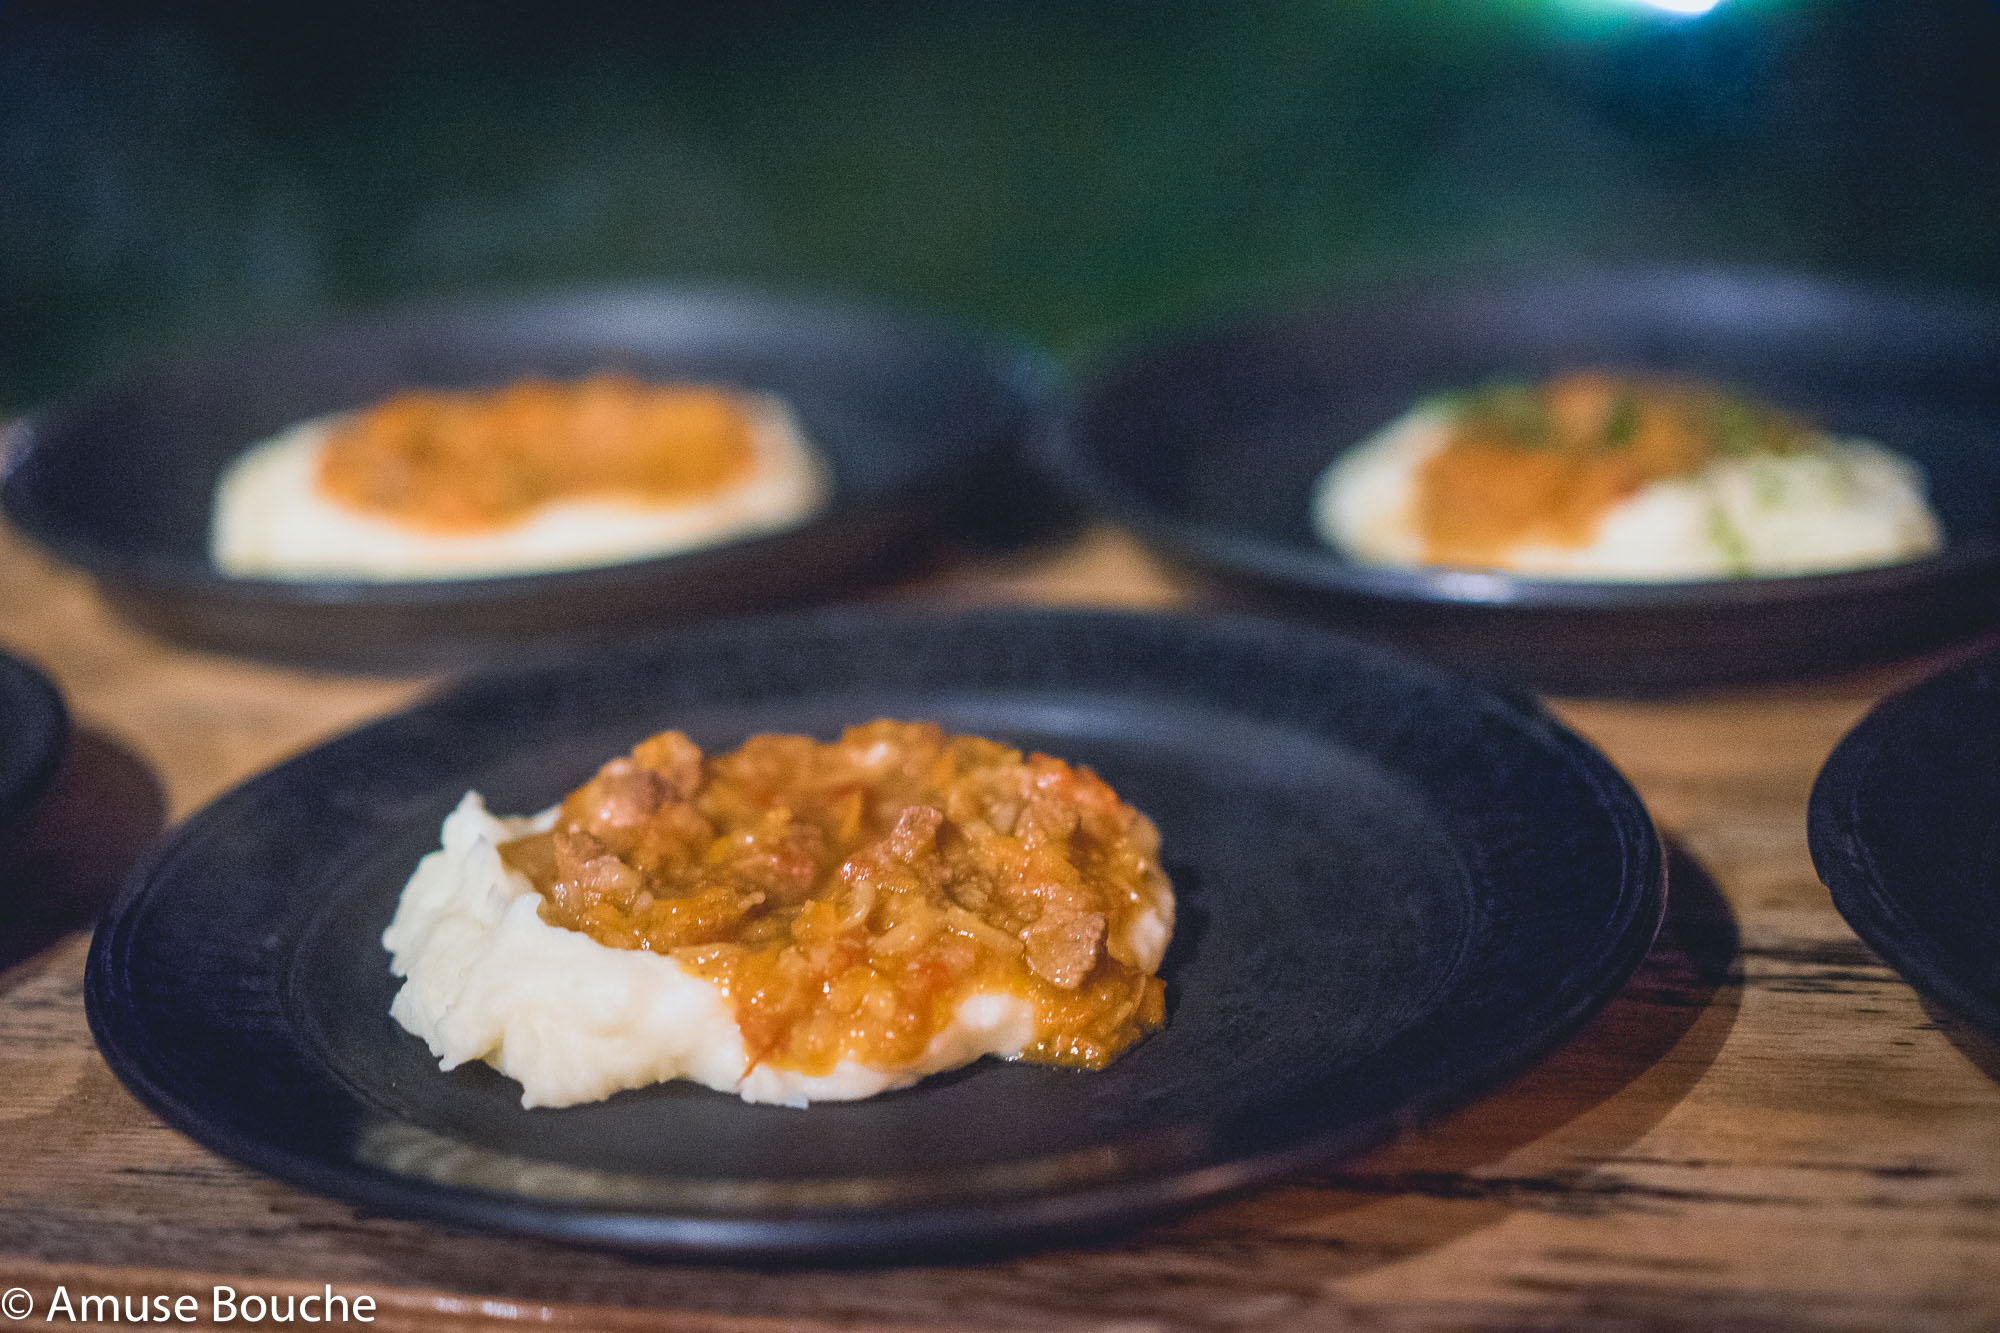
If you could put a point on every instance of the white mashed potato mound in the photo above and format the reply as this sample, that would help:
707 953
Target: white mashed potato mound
271 519
1841 504
572 1020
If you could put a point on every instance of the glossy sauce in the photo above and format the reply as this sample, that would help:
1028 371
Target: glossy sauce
455 463
847 896
1543 464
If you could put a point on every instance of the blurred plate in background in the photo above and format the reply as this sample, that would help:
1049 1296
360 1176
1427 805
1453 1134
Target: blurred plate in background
1208 445
34 732
1905 831
916 420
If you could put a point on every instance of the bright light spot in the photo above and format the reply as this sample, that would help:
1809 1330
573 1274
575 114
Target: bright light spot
1687 7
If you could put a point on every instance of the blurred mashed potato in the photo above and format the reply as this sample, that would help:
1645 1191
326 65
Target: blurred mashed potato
275 516
1720 488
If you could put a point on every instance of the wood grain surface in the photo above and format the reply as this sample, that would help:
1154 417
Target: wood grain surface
1766 1130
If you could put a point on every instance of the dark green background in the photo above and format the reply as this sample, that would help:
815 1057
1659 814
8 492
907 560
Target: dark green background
1071 172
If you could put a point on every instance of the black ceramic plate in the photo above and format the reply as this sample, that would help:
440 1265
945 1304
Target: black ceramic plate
1209 446
915 420
1905 830
34 731
1395 888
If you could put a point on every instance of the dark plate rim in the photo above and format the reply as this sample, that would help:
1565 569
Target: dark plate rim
926 1231
1060 448
46 722
1848 868
1026 372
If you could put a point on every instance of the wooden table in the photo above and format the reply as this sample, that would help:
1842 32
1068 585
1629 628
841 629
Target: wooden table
1767 1129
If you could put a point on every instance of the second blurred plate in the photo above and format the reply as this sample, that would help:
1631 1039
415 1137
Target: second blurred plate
1904 828
914 418
1208 446
34 733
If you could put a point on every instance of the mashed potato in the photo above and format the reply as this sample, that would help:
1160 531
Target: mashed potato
274 518
787 922
573 1021
1817 503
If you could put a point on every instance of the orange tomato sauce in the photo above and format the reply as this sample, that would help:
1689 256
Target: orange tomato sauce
457 463
1542 464
846 897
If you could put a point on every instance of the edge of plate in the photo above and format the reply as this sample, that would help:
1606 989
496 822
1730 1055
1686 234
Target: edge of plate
1848 870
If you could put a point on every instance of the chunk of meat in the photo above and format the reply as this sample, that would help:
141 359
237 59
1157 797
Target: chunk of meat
915 832
588 874
675 759
1063 945
617 802
781 858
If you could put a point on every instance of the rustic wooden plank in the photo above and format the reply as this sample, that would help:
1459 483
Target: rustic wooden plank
1767 1129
